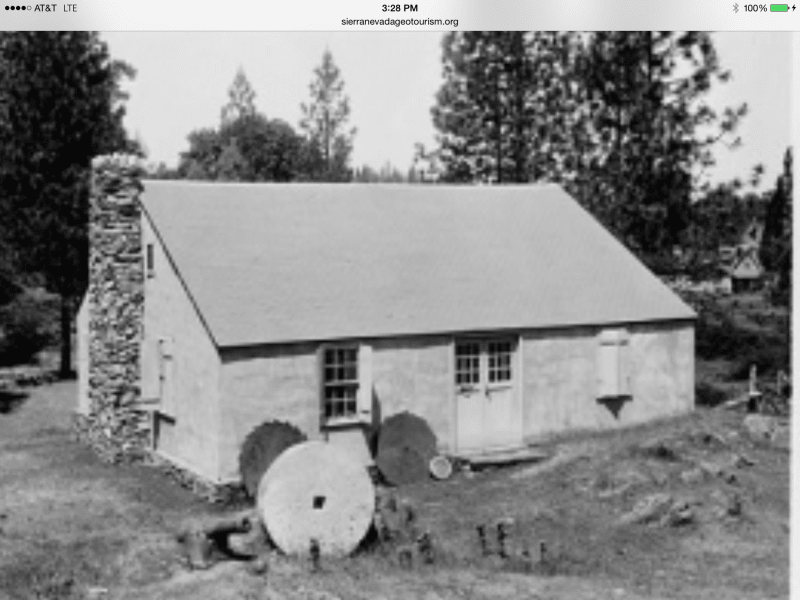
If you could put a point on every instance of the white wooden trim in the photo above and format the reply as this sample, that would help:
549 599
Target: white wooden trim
520 360
364 392
451 370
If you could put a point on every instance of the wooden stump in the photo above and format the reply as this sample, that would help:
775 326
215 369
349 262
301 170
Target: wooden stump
316 491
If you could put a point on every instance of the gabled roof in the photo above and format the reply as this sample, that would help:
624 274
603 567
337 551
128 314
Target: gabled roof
270 263
747 265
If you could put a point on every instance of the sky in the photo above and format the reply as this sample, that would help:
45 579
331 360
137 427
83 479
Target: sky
392 78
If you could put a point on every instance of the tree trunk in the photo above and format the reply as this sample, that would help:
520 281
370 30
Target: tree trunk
65 369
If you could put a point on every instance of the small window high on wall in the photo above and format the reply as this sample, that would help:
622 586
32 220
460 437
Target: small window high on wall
613 360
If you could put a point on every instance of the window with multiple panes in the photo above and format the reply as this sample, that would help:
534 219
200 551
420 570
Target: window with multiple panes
340 382
468 363
499 355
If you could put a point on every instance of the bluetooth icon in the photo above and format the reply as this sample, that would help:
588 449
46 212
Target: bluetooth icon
736 8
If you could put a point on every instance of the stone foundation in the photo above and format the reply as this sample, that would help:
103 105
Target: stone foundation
109 450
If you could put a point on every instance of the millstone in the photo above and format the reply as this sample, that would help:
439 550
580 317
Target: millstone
400 466
260 449
316 492
406 445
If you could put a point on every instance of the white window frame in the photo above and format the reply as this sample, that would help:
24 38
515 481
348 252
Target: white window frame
362 385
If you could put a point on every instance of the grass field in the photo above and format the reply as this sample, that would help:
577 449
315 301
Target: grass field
72 527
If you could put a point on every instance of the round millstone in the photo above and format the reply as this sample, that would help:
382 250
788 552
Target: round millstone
316 492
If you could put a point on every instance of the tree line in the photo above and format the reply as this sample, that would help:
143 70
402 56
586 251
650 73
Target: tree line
619 119
248 146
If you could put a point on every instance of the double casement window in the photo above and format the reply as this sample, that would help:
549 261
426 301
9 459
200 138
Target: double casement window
346 382
496 356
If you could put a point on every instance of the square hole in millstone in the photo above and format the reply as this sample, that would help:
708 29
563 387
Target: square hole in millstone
318 502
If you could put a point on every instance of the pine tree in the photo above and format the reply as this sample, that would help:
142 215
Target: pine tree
504 110
647 119
325 119
241 100
60 105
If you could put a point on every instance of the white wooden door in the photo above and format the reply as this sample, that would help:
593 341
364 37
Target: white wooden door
502 425
470 397
487 403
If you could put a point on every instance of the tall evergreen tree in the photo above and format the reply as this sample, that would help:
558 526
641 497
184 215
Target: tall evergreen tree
653 131
776 245
325 121
619 118
60 105
241 99
503 112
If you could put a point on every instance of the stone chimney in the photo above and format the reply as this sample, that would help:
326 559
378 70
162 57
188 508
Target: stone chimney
116 427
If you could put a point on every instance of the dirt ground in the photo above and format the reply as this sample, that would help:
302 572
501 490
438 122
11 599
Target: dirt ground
72 527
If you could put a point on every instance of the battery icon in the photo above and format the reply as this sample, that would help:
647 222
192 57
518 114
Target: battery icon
779 8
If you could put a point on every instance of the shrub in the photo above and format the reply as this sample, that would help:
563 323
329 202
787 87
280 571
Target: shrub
719 337
769 355
709 395
26 327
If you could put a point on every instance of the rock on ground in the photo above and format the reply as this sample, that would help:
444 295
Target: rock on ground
648 509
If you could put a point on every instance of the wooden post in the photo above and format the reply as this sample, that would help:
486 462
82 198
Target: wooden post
482 539
753 394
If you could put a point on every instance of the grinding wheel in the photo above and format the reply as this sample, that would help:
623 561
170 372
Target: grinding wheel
316 491
405 430
261 447
400 466
406 445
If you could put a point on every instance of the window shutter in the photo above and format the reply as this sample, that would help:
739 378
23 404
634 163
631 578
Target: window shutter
365 382
150 369
624 364
321 386
613 363
607 369
166 376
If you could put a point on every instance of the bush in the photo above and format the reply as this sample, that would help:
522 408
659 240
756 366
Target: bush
719 337
706 394
26 327
769 355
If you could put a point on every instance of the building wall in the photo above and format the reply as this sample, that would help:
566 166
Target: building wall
265 384
282 383
415 375
189 434
559 378
558 381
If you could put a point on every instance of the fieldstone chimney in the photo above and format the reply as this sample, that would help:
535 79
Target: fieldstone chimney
117 427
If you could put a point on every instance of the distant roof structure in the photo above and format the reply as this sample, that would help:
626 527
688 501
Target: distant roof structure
272 263
747 265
